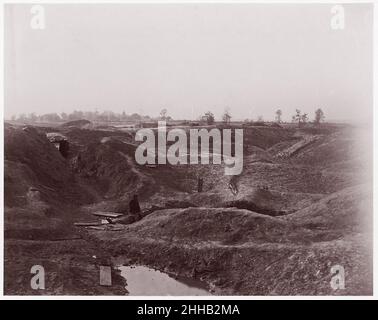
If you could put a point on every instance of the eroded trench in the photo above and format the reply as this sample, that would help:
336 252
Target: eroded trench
141 279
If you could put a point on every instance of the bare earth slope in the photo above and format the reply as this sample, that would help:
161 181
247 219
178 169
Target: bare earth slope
304 204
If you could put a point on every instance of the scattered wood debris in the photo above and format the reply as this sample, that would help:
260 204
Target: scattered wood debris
107 214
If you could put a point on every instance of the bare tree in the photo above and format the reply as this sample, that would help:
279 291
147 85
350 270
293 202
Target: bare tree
209 117
319 116
304 118
299 117
163 114
226 116
278 116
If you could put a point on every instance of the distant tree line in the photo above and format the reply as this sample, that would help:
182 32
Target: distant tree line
302 118
77 115
208 117
298 117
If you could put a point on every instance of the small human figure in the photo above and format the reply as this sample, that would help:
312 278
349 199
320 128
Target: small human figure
134 207
200 184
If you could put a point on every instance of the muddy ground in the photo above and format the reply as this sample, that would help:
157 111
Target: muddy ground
304 204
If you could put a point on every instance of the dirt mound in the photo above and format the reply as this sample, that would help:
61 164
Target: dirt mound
214 224
242 252
190 232
263 197
298 146
109 167
327 150
31 161
349 208
83 137
251 206
256 154
81 124
258 199
266 137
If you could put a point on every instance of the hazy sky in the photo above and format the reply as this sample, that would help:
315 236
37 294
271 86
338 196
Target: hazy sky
190 59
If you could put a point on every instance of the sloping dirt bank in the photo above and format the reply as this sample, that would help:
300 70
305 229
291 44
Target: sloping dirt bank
42 200
241 252
323 215
71 266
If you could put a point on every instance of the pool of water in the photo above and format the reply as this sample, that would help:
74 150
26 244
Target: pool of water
144 281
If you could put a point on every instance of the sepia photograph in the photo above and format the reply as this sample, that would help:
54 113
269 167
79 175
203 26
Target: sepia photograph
188 149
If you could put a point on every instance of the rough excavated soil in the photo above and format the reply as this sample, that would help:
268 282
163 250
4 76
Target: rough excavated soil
304 204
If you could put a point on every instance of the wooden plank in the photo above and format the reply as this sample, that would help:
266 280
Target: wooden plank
96 228
107 214
86 224
105 276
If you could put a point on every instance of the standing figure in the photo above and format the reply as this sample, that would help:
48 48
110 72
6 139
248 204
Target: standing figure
200 184
135 208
